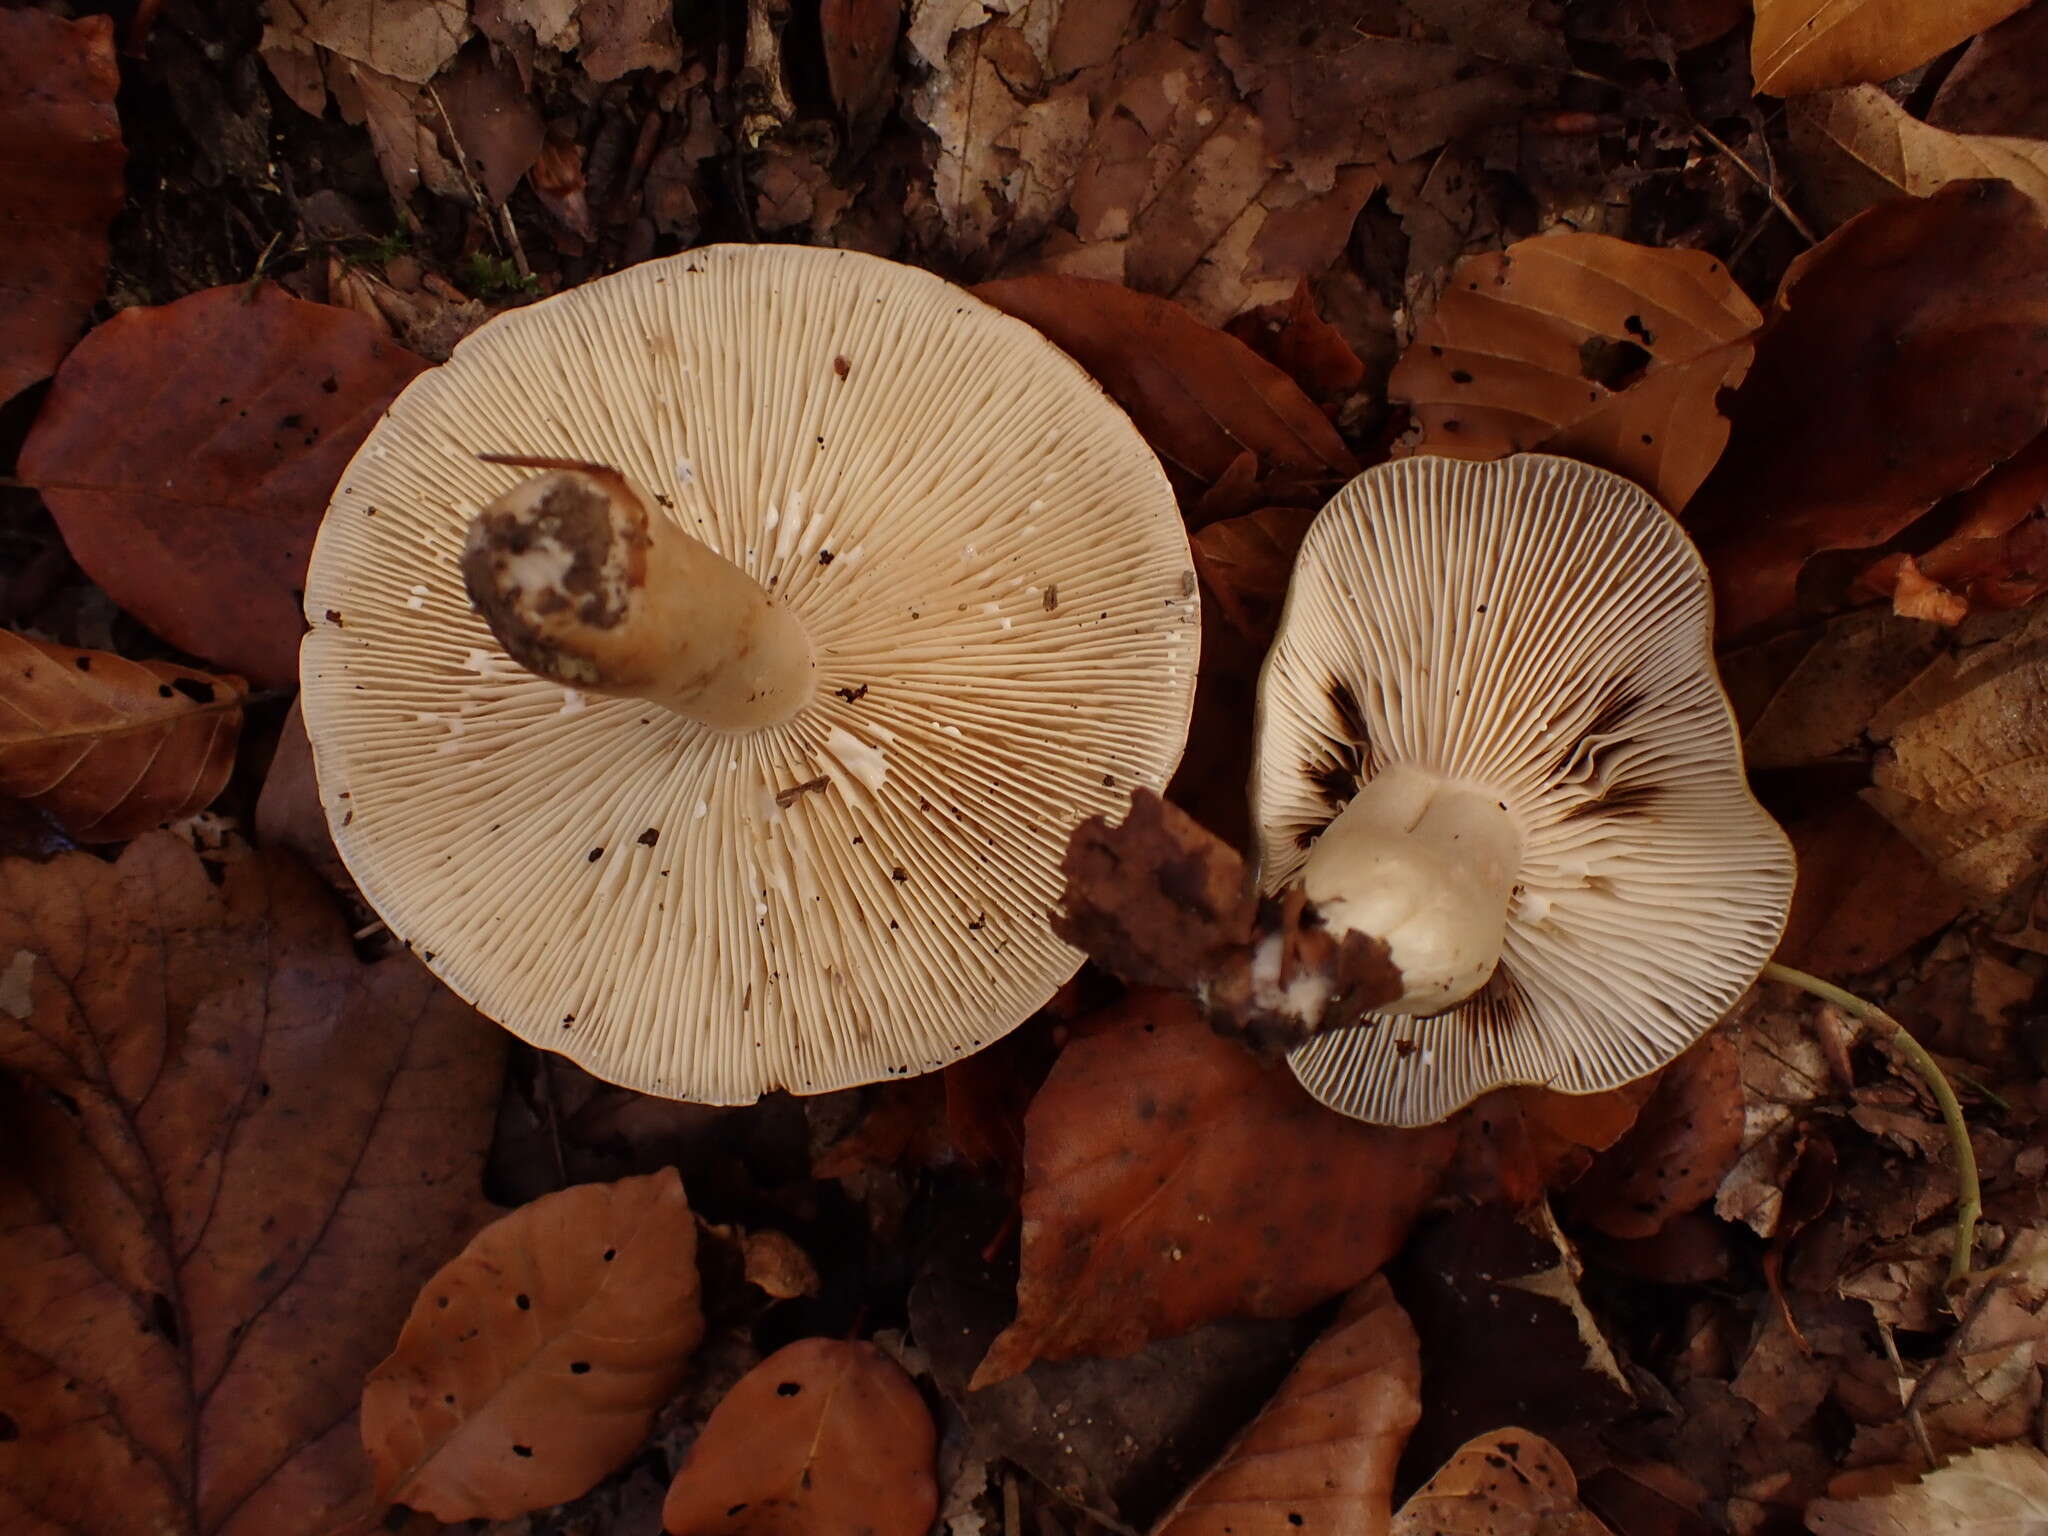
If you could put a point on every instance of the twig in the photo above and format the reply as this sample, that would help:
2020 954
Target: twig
1768 185
1969 1195
1913 1420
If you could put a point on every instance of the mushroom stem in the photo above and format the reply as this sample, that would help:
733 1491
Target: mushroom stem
583 585
1426 865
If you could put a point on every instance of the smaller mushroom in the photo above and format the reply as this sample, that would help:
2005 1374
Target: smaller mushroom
1491 735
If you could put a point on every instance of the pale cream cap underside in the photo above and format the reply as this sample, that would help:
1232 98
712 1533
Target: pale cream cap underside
1542 628
972 533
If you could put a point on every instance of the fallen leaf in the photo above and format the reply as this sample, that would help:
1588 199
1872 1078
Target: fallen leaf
532 1364
821 1438
1502 1483
1993 1491
1865 895
1675 1155
288 811
1995 86
1302 344
60 182
404 128
1321 1455
108 746
1199 395
1810 45
1587 346
1901 363
492 122
778 1265
235 1152
1507 1337
1858 146
1994 553
1819 710
407 39
1171 1180
1964 774
616 37
188 453
1788 1064
860 44
1517 1143
1246 563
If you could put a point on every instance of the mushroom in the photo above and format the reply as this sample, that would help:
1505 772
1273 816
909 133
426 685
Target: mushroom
1491 734
815 601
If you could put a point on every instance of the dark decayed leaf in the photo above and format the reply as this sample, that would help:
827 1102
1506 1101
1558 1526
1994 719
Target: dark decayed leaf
188 453
108 746
233 1153
60 182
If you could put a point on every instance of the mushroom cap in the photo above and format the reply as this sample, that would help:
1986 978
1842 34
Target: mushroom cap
1544 629
988 560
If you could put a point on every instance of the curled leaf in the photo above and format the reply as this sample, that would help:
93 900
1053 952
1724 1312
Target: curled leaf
533 1362
1858 146
821 1438
1810 45
1583 345
108 746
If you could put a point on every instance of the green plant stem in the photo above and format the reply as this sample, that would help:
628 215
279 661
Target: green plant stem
1969 1195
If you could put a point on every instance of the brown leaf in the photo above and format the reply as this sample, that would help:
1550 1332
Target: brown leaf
1504 1483
1246 563
1321 1455
409 40
1675 1155
533 1362
1200 396
188 453
495 127
108 746
821 1438
288 812
1810 45
1515 1143
1902 362
235 1153
1171 1180
1965 774
616 37
2002 1489
1583 345
60 181
1858 146
1995 551
860 45
1865 894
1996 84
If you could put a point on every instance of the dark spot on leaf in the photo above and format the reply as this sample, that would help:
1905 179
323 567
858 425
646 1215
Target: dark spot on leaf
523 1450
1610 363
579 1367
788 1388
610 1254
1460 376
197 691
84 663
523 1301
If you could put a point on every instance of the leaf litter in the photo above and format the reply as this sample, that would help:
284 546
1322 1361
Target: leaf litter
1712 1301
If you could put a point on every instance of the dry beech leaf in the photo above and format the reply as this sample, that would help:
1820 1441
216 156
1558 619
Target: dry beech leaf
1171 1180
822 1438
1295 338
2000 1490
410 40
1903 361
533 1362
1246 563
860 44
1858 146
1994 552
1965 771
108 746
1517 1142
233 1153
1812 45
1321 1455
1507 1482
1199 395
197 514
1673 1158
1996 84
60 182
1583 345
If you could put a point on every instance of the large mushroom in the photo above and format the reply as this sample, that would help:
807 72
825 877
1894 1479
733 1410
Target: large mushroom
819 600
1491 734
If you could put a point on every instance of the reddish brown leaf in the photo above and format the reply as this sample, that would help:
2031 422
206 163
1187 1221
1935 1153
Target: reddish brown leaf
234 1154
860 47
1297 340
1171 1180
1505 1481
188 453
1246 563
1996 84
1518 1142
1995 553
1903 362
288 813
1865 895
1321 1455
1674 1156
108 746
533 1362
1584 345
1810 45
1200 396
822 1438
60 182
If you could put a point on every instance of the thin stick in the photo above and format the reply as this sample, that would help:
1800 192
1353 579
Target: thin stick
1768 185
1969 1196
